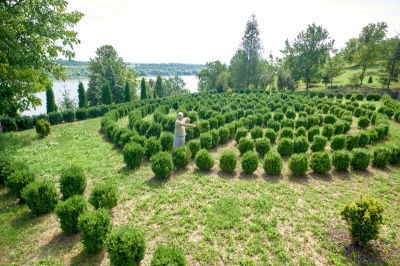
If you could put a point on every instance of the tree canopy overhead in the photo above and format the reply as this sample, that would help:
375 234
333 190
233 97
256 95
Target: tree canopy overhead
32 34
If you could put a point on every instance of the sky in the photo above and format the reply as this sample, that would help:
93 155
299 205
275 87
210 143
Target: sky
201 31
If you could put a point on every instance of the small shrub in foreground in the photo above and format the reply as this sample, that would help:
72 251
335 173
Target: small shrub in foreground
167 141
263 145
240 133
194 146
204 160
256 132
249 162
152 146
40 196
18 179
272 163
381 156
206 140
68 213
394 154
133 154
285 146
168 255
301 144
72 181
223 133
320 162
360 158
162 164
298 164
245 145
104 195
228 161
270 134
42 128
319 143
338 142
341 159
181 156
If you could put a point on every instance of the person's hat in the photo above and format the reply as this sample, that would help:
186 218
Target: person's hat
180 113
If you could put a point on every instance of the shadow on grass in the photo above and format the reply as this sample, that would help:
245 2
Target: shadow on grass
226 175
341 174
28 219
85 258
363 173
328 177
301 180
249 177
155 182
272 178
59 244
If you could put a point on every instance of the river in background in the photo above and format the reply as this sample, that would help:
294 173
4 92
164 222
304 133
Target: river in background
72 87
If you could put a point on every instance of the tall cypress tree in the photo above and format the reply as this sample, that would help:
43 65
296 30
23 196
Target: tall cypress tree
82 96
158 87
128 94
143 93
50 100
106 97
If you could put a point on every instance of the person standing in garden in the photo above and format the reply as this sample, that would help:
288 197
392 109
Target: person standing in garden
180 132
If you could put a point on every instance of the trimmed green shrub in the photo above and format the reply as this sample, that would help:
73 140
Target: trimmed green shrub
301 131
42 128
352 141
245 145
95 228
313 131
224 134
360 158
215 138
364 217
285 146
327 131
338 128
154 130
104 195
69 116
162 164
228 161
262 145
240 133
72 181
204 160
287 123
206 140
126 246
363 122
167 141
55 118
275 125
133 155
194 146
256 132
40 196
272 163
320 162
286 132
341 159
168 255
363 138
68 213
278 116
394 154
338 142
213 123
319 143
301 144
81 114
329 119
301 122
271 135
381 156
203 126
249 162
298 164
18 178
181 156
152 146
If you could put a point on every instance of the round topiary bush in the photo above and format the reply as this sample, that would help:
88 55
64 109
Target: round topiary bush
320 162
181 156
329 119
104 195
360 158
270 134
352 141
319 143
298 164
228 161
394 154
338 142
272 163
152 146
256 132
240 133
167 141
341 159
95 228
42 128
168 255
245 145
363 122
68 213
338 128
249 162
40 196
262 146
133 154
206 140
204 160
381 156
364 217
286 132
363 138
313 131
215 138
285 146
301 144
301 131
18 179
72 181
327 131
224 134
162 164
275 125
126 246
194 146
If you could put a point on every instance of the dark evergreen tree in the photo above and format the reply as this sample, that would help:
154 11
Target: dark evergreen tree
50 100
106 97
128 94
82 96
158 87
143 92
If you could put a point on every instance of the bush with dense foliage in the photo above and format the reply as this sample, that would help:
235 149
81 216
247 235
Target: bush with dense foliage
338 142
381 156
240 133
301 131
162 164
42 128
224 134
206 140
133 154
181 156
272 163
167 141
126 246
301 144
245 145
104 195
72 181
285 146
271 135
249 162
364 217
18 178
313 131
40 196
298 164
262 145
204 160
363 138
363 122
95 227
320 162
341 159
152 146
352 141
194 146
286 132
215 138
394 153
319 143
360 158
168 255
68 213
256 132
228 161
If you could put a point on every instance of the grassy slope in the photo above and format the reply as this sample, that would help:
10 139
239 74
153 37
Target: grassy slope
217 219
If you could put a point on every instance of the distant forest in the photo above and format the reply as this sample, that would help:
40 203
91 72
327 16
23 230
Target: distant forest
80 69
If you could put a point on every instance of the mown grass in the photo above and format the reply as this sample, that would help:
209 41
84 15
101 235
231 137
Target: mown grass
216 218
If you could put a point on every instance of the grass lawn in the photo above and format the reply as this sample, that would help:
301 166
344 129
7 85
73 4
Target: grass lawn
216 218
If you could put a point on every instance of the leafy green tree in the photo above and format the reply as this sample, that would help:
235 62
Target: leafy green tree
308 53
82 100
66 102
159 86
107 68
390 68
208 76
349 52
32 35
333 68
143 89
236 68
106 97
50 100
174 85
268 72
222 81
128 93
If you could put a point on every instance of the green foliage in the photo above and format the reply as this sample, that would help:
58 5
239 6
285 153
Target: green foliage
300 144
394 154
245 145
72 181
364 217
320 162
42 128
330 119
167 141
271 135
82 99
228 161
249 162
152 146
240 133
126 246
104 195
154 130
81 114
224 135
133 154
68 213
285 146
215 138
272 163
341 159
275 125
50 100
301 131
162 164
312 132
206 140
286 132
363 122
194 146
328 130
40 196
352 141
363 138
256 132
203 126
18 178
381 156
168 255
181 156
338 142
319 143
204 160
360 158
262 145
298 164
